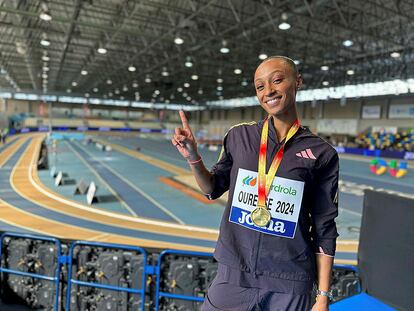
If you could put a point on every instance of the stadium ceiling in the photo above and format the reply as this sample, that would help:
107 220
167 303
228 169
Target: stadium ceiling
187 51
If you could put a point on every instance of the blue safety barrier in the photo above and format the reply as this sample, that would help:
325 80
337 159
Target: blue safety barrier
60 260
147 270
103 286
158 293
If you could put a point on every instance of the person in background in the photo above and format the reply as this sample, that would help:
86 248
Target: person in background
5 134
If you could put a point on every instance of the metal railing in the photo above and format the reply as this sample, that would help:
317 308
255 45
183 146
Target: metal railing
158 293
104 286
59 260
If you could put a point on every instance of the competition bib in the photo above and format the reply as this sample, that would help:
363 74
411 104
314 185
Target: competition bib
284 202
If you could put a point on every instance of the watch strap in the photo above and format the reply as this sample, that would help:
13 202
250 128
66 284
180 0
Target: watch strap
324 293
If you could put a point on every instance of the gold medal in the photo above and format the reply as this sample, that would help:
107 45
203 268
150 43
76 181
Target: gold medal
260 216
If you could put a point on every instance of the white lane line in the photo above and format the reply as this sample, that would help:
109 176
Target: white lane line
139 190
101 180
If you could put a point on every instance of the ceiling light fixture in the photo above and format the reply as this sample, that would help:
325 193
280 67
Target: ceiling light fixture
224 49
348 43
186 84
132 68
147 79
395 54
284 25
45 42
45 15
135 84
102 50
109 81
350 72
262 56
21 48
325 83
325 68
237 71
178 40
45 58
219 80
165 72
84 72
74 83
194 77
188 63
296 61
179 90
95 89
200 91
244 82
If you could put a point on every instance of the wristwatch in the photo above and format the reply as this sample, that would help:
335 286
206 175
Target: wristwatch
324 293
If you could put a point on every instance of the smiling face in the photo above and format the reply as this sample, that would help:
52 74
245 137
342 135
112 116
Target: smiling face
276 83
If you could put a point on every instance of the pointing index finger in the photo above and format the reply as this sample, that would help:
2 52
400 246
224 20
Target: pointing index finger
184 119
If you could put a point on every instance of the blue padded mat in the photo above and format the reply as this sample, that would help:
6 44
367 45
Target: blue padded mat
360 302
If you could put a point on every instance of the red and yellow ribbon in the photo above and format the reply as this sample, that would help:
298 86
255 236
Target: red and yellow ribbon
266 181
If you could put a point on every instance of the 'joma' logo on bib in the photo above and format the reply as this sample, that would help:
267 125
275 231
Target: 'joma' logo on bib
285 190
276 226
250 181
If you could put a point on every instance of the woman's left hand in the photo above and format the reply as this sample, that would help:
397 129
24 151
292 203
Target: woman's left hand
321 304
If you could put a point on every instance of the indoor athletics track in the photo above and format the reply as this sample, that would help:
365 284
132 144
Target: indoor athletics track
146 200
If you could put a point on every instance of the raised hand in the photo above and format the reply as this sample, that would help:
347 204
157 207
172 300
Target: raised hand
184 140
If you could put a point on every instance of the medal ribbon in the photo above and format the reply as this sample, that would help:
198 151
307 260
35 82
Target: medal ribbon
266 181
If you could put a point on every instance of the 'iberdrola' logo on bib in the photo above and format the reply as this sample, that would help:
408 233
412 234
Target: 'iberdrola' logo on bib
284 203
250 181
